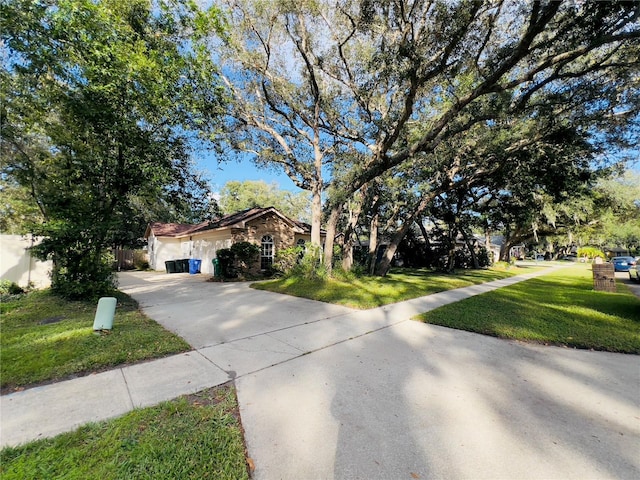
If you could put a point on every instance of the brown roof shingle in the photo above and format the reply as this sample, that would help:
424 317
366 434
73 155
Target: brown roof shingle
234 220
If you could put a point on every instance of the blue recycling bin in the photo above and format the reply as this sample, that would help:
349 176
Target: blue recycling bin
194 265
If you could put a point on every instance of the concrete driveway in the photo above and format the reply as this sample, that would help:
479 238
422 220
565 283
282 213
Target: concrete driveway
209 313
327 392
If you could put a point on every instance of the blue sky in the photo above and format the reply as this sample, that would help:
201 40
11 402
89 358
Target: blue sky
221 173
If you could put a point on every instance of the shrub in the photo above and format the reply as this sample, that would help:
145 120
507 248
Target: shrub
591 252
140 261
503 265
7 287
89 278
226 259
310 265
288 258
237 259
245 253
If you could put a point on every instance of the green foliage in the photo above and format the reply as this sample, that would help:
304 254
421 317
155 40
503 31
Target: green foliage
98 100
79 273
196 436
236 196
591 252
310 266
226 259
506 100
560 308
7 287
18 209
238 259
245 252
47 338
502 265
287 258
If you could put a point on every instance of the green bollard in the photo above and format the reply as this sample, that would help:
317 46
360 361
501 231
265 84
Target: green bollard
104 313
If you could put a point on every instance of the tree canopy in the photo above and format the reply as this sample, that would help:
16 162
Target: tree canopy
340 93
236 196
100 100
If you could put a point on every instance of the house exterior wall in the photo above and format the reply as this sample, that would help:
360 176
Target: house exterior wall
161 249
282 233
304 236
201 246
17 265
271 224
204 247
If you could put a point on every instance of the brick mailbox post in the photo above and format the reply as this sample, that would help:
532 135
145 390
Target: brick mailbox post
604 277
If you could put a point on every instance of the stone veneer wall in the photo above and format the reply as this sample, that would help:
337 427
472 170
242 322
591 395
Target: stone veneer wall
282 233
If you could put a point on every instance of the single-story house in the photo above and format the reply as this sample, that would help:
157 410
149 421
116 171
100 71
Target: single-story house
265 227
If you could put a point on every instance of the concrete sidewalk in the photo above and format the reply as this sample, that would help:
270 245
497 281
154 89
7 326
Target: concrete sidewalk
336 393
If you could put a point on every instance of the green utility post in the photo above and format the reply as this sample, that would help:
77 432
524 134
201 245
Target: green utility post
104 314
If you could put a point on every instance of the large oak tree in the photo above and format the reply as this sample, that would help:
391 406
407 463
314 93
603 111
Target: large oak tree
388 82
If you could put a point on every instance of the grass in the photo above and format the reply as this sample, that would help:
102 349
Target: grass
33 351
194 437
370 292
560 308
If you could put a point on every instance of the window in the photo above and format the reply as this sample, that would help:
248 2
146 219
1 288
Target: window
266 254
302 245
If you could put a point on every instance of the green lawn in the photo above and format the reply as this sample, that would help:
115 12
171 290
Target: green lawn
560 308
398 285
33 350
194 437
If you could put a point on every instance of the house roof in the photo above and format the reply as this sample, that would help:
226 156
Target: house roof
234 220
160 229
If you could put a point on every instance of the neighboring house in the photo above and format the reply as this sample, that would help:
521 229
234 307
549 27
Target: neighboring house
265 227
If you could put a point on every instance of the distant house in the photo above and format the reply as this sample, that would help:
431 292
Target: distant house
265 227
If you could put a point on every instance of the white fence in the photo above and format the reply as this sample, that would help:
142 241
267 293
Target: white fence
17 264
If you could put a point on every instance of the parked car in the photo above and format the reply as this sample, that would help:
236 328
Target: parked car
634 271
623 264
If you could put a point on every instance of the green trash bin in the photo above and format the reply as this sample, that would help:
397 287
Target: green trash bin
216 267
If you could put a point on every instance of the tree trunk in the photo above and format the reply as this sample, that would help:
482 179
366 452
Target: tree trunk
373 242
316 214
472 252
332 224
425 235
505 251
349 234
385 264
451 258
487 245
